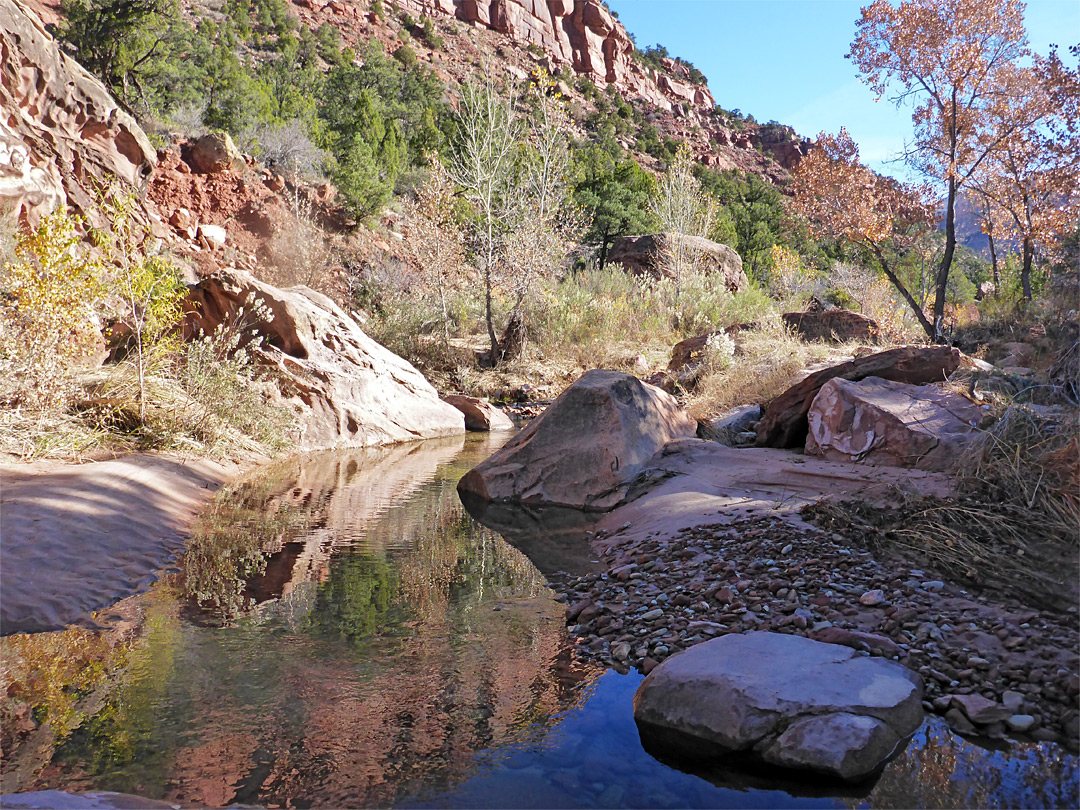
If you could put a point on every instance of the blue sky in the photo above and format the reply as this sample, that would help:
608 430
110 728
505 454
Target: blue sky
784 60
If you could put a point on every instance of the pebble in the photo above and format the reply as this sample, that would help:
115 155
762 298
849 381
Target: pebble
872 598
1020 722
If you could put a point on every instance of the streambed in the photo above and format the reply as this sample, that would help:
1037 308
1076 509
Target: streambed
342 634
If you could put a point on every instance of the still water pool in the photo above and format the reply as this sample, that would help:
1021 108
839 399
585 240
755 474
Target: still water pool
342 634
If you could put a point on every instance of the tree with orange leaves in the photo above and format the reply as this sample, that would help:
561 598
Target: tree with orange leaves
1030 180
950 59
842 199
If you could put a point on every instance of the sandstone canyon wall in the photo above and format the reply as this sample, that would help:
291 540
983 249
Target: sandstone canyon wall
61 134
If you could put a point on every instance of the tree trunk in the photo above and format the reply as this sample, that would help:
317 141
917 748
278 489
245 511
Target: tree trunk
605 245
907 296
514 336
1025 269
941 281
993 260
490 319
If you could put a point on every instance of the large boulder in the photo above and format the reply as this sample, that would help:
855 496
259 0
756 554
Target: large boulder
786 699
215 153
351 392
62 136
784 422
840 325
642 255
884 422
480 415
584 450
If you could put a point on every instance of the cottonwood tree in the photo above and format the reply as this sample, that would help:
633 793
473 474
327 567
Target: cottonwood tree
842 199
1029 182
950 59
544 222
483 166
682 207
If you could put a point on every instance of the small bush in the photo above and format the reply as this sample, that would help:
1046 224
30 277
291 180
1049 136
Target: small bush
286 148
405 55
51 294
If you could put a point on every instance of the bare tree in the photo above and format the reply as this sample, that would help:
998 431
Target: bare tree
683 208
544 224
483 165
436 236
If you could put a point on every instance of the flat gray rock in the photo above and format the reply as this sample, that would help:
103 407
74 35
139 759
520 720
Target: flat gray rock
792 701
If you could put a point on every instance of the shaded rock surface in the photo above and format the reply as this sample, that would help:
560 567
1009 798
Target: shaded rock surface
798 703
728 428
784 423
641 255
832 324
883 422
350 391
694 480
61 134
480 415
584 450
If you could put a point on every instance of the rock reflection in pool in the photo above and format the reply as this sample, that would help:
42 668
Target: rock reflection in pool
362 643
396 639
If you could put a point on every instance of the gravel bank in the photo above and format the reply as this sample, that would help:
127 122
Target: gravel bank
661 594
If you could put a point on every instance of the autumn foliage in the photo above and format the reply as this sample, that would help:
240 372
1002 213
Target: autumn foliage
955 63
842 199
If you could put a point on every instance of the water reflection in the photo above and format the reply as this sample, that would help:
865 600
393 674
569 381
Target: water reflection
359 641
379 640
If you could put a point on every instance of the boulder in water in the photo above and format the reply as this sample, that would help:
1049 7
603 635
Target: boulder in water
782 699
584 450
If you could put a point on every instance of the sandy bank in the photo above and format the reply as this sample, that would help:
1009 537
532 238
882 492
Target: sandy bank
75 538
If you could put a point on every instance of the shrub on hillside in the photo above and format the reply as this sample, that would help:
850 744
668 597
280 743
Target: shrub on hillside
51 291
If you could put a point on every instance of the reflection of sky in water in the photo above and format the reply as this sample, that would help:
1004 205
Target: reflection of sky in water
594 758
402 654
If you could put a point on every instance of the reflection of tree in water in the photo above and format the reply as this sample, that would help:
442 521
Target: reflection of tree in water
231 541
110 732
355 599
941 770
414 640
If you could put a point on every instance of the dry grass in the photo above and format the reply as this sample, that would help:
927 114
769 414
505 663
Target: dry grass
1014 527
768 359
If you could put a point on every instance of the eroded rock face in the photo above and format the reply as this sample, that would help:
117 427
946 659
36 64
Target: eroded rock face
884 422
584 450
791 701
61 134
832 324
784 422
352 392
641 255
480 415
